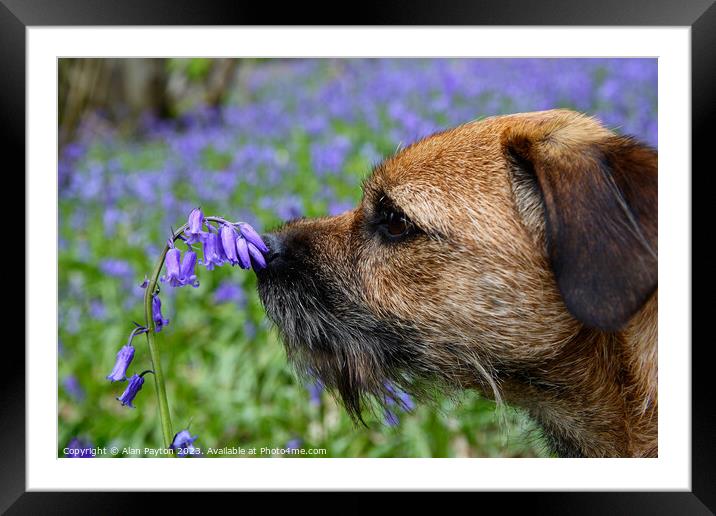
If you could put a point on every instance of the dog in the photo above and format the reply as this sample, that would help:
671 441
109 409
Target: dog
516 255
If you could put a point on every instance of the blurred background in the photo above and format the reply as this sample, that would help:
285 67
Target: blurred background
143 141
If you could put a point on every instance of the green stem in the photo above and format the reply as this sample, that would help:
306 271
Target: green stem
160 387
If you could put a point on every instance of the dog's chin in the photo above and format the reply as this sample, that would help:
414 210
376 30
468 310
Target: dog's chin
355 355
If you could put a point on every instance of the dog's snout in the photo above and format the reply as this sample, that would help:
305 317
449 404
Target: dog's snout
276 246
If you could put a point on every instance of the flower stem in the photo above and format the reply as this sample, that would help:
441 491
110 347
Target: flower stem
160 387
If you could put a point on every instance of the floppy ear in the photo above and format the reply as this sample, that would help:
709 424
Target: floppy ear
599 193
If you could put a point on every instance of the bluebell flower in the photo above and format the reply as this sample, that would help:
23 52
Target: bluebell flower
257 258
194 232
133 387
294 444
124 357
253 237
159 321
183 443
242 249
188 277
173 262
213 255
228 243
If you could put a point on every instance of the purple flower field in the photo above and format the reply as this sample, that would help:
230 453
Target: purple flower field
294 138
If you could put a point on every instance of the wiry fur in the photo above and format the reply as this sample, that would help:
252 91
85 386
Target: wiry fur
473 300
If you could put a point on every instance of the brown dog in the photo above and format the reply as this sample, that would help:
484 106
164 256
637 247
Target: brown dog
516 255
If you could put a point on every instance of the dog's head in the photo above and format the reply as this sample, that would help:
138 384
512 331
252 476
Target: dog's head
472 253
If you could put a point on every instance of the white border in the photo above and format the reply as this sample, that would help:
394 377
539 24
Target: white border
670 471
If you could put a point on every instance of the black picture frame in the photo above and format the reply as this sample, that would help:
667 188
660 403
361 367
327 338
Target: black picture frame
17 15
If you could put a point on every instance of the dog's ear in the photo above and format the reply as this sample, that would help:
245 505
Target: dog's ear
599 194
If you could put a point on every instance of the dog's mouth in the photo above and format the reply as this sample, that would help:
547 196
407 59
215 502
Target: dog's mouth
353 353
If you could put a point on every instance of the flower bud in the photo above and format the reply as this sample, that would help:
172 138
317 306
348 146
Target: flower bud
159 320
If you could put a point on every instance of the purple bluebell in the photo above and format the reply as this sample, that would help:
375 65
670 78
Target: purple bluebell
159 321
253 237
257 258
188 276
173 264
133 387
213 252
242 249
124 357
294 444
228 243
194 232
183 443
79 449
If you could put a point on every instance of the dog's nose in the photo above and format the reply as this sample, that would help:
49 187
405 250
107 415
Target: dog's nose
275 245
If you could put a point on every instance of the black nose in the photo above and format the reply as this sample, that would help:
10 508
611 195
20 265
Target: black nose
275 245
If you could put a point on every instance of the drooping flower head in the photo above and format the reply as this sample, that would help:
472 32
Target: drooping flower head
227 235
188 276
257 258
194 233
213 252
159 321
250 234
242 248
183 442
133 387
124 358
173 263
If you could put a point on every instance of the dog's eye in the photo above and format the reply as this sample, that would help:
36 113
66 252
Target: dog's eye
391 222
397 224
